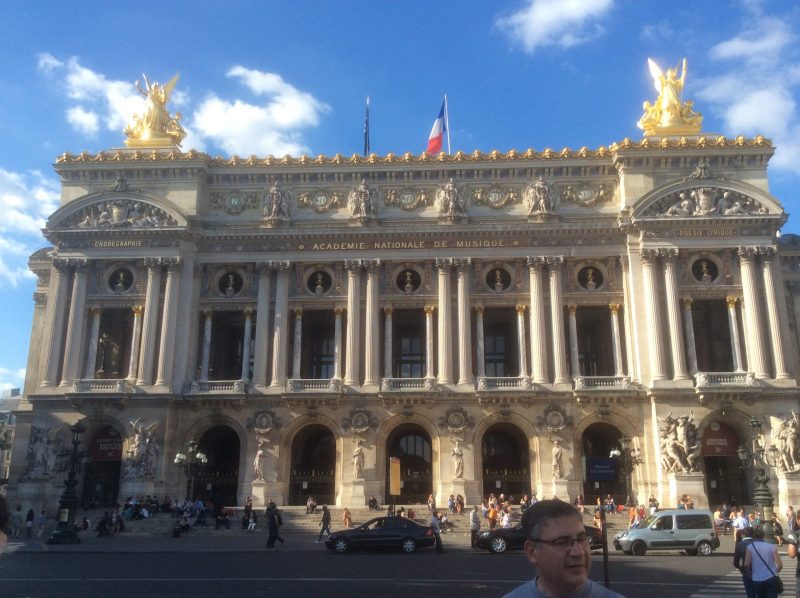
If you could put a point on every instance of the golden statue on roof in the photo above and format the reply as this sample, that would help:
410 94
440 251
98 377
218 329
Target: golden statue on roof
669 115
155 128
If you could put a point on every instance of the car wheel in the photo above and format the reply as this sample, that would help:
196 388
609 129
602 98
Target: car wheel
704 548
498 545
639 548
409 545
341 545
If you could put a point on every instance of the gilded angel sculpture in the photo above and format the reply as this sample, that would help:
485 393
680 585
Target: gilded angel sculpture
155 128
669 114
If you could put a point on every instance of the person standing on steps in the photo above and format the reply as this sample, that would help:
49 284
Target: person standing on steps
325 523
474 525
274 521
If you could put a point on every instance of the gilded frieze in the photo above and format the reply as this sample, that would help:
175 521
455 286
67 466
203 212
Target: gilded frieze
496 197
407 198
584 194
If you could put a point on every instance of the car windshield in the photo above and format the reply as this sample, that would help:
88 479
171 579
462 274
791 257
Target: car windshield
648 521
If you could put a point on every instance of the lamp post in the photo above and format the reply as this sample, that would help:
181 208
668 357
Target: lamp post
628 459
65 533
761 459
190 461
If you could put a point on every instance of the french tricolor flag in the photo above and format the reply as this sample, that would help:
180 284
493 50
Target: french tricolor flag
438 131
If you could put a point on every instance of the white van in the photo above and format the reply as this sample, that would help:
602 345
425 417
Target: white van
691 530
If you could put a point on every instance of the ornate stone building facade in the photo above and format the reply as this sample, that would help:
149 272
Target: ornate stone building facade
499 322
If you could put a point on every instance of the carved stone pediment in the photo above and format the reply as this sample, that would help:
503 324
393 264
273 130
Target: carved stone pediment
705 201
119 214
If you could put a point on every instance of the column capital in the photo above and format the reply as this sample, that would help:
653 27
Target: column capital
338 311
153 262
624 261
445 263
478 309
208 314
731 301
137 311
61 263
687 301
520 310
372 266
353 265
747 252
462 263
429 309
387 310
264 267
572 309
667 254
280 266
95 310
172 263
298 312
649 255
535 263
555 261
768 252
248 312
614 307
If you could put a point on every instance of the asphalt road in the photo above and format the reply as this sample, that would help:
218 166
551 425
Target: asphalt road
241 566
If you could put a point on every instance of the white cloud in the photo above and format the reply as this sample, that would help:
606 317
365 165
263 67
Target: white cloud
271 127
83 120
26 200
11 378
563 23
754 92
657 32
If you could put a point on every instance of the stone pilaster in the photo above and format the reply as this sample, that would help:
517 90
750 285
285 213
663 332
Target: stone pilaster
668 257
444 266
464 324
658 368
372 350
754 322
166 356
352 375
261 352
149 326
538 330
770 273
554 265
55 311
280 337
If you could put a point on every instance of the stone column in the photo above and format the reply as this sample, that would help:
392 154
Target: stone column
523 353
631 338
56 307
133 364
733 326
574 358
557 316
465 324
280 337
149 333
616 339
691 346
248 331
754 321
429 342
352 375
261 353
77 316
206 351
387 342
298 342
674 314
94 338
479 349
658 369
166 356
372 350
773 312
444 322
337 343
538 330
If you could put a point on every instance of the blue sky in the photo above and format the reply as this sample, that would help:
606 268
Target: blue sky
277 77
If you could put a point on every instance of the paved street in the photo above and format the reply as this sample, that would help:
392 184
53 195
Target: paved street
216 564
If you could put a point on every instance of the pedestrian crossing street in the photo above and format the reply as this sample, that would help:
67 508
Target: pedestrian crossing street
731 585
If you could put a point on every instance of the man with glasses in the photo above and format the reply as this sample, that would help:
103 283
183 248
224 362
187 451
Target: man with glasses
559 548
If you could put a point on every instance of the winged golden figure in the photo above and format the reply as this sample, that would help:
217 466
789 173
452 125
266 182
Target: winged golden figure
669 114
155 127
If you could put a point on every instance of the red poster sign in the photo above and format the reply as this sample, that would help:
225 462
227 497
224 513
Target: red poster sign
106 445
719 440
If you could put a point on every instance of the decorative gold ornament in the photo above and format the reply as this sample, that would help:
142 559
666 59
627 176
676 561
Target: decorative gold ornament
155 128
669 115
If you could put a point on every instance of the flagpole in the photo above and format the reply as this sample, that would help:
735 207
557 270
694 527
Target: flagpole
447 121
366 130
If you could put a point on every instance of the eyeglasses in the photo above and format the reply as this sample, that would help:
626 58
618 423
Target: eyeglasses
566 542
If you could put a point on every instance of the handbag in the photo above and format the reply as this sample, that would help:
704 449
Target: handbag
775 580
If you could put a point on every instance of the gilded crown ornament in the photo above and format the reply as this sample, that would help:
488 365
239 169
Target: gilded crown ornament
155 127
669 115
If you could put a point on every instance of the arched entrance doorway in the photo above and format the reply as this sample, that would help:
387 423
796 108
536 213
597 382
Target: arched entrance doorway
412 445
601 473
219 479
506 465
725 479
313 466
101 476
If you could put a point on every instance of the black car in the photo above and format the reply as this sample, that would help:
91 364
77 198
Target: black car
501 539
382 532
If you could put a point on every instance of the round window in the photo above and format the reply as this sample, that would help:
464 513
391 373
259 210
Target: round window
705 270
408 281
319 282
230 284
590 278
498 279
120 280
